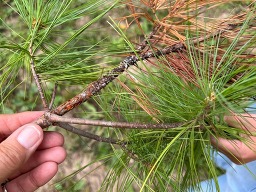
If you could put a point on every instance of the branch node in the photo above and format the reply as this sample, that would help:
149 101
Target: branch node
44 121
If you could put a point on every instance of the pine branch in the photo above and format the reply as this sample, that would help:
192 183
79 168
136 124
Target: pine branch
53 95
37 80
96 86
144 43
88 135
124 125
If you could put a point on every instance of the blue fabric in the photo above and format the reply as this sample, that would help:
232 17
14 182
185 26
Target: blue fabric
252 108
238 178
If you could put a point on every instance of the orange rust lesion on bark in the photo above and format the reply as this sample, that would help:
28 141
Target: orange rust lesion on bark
69 107
95 87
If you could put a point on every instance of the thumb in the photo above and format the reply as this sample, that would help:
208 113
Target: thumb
17 148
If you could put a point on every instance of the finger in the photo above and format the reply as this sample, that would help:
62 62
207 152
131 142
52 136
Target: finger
237 151
227 147
34 179
51 139
17 148
55 154
10 122
244 121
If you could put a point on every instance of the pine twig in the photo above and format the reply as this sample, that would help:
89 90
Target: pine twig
98 138
37 81
95 86
53 95
53 118
145 42
167 50
86 134
131 154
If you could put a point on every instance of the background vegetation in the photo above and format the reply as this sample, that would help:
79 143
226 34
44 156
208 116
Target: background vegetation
76 42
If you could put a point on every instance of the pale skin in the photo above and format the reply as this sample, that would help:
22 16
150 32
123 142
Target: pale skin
28 169
237 151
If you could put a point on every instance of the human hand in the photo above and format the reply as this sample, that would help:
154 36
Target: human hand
237 151
29 157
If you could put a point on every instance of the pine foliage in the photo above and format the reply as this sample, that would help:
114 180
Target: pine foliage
211 75
199 85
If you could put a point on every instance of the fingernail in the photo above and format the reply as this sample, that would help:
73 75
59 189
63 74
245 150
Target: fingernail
28 136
